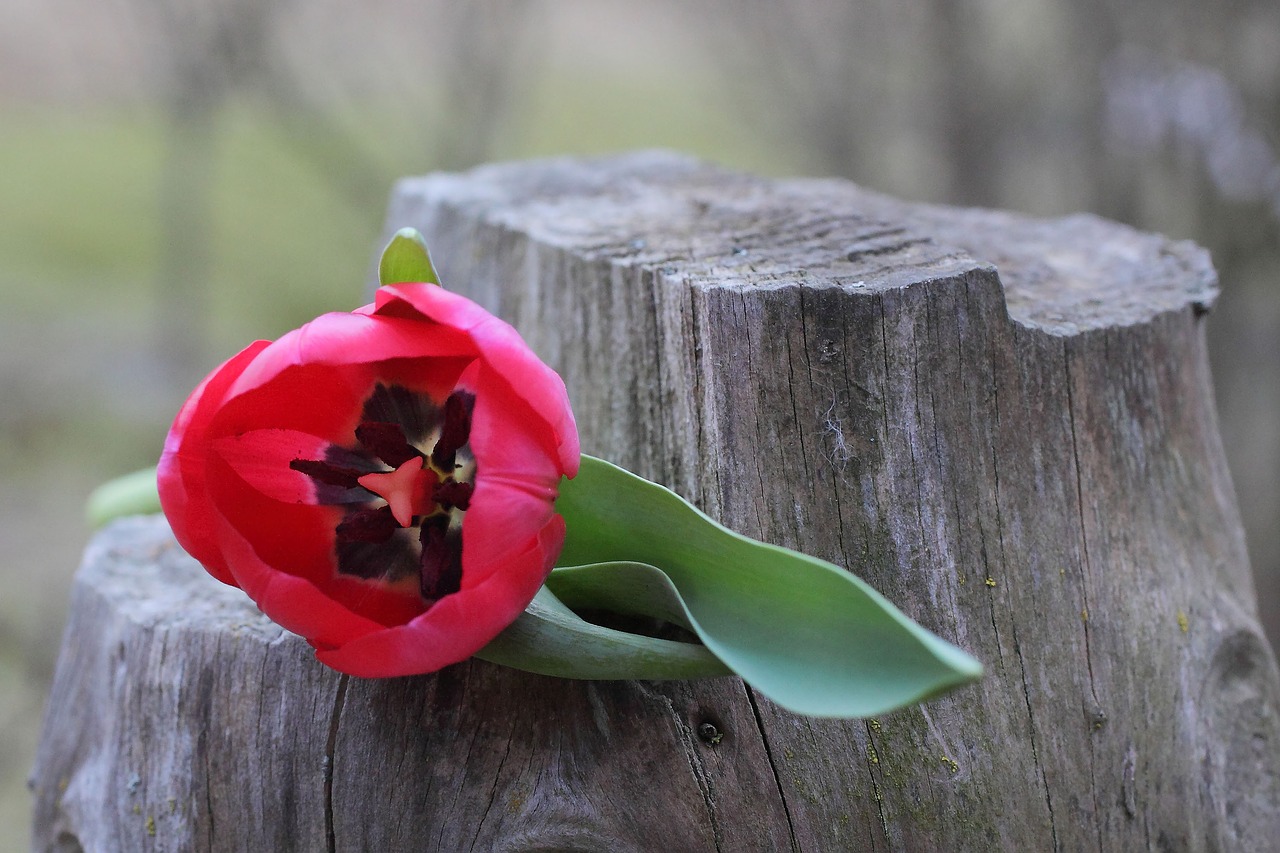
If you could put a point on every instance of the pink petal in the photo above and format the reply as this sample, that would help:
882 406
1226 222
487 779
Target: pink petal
299 536
507 436
501 514
292 602
181 474
321 400
344 339
532 380
502 347
298 540
261 457
517 475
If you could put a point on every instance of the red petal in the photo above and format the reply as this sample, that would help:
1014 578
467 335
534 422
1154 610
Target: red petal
459 625
502 347
517 476
345 339
298 540
184 495
292 602
261 457
321 400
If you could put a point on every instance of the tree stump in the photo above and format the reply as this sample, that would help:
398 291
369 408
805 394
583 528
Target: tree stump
1005 424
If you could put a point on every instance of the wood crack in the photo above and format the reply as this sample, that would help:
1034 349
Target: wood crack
700 774
760 525
698 414
912 435
773 767
1017 646
886 249
797 512
1031 734
995 464
493 791
877 793
831 424
1097 714
661 417
1086 568
203 746
335 719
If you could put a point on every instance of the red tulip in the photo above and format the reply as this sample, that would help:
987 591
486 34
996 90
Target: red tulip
381 482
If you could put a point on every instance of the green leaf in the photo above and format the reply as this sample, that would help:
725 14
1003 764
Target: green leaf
636 589
132 494
810 636
550 639
406 259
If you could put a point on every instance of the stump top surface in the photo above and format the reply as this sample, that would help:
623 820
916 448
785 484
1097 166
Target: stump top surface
139 568
701 224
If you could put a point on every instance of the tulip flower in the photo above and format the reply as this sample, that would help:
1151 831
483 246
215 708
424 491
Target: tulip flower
381 482
402 486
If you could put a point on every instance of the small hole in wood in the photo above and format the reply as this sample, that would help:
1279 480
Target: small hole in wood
709 733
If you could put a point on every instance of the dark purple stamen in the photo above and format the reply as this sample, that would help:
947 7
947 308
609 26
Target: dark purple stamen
450 494
395 425
367 525
455 429
414 412
441 564
386 441
328 473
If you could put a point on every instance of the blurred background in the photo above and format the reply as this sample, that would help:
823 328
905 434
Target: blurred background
179 177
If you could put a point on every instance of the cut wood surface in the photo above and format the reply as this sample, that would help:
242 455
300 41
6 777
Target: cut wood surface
1004 424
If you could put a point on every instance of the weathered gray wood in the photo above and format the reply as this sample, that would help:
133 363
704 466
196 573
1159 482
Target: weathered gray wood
183 719
1004 424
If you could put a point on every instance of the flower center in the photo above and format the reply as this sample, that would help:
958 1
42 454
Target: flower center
406 484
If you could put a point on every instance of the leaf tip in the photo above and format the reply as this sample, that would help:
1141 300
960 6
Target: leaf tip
406 259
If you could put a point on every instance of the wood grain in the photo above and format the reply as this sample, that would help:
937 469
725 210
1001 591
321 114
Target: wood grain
1004 424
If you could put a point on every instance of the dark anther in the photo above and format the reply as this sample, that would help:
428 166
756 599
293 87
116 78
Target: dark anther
367 525
450 494
709 734
396 404
441 565
328 473
387 442
455 430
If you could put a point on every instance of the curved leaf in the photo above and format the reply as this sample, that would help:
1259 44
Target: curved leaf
637 589
810 636
550 639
